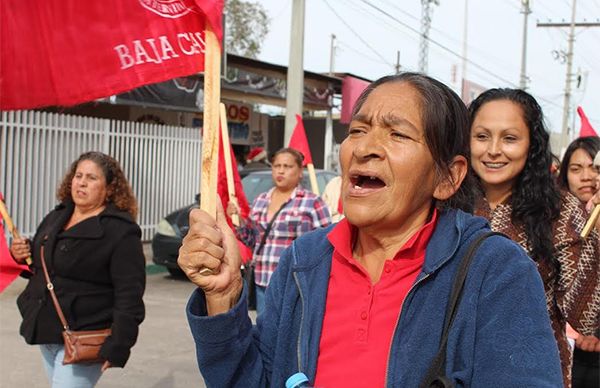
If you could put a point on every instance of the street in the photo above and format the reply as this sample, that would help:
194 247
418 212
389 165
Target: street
164 355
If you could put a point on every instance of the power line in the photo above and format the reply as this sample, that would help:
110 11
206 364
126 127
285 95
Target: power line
510 83
356 34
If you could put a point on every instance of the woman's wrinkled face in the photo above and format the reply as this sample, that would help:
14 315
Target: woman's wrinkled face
88 186
388 173
499 143
286 172
581 175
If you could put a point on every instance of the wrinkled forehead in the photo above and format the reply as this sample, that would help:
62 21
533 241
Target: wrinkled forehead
393 103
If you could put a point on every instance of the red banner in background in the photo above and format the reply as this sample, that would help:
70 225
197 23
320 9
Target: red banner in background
65 52
351 90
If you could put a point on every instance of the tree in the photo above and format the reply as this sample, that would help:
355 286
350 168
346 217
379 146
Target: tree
247 25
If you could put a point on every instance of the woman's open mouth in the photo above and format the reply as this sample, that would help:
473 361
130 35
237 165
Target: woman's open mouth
494 165
365 184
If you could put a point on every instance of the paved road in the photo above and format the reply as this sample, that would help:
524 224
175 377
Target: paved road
164 356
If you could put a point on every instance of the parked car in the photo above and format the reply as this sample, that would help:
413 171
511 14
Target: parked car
171 230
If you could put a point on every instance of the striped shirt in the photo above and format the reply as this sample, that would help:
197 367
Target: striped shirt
303 212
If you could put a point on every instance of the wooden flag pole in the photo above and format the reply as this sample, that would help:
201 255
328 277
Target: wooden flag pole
210 126
312 175
11 226
235 218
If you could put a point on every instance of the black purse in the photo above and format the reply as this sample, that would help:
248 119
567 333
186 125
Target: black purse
436 375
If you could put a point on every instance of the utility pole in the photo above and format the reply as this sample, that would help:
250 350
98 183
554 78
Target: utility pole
523 78
328 145
567 99
398 62
465 40
332 55
295 74
426 11
569 59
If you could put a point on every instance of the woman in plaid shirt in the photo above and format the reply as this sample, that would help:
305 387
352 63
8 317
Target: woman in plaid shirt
289 208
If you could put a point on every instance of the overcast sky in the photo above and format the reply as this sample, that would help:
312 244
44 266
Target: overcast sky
368 41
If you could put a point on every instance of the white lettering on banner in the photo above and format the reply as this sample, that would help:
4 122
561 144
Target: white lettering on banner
194 44
126 59
141 56
169 8
157 58
141 51
166 48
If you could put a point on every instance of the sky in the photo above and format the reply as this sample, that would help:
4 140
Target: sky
368 41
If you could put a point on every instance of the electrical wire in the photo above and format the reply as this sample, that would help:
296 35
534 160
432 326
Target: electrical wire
441 46
357 35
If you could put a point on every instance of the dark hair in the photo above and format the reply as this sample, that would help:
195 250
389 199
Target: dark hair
297 155
118 190
535 196
590 144
446 127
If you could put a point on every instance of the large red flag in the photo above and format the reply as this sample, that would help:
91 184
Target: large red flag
586 127
9 269
299 142
65 52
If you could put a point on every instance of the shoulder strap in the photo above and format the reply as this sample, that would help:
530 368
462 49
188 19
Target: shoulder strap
268 229
50 287
436 374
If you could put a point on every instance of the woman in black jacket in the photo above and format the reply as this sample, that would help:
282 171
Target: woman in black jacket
93 252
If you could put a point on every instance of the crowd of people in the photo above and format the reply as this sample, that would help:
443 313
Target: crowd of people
354 289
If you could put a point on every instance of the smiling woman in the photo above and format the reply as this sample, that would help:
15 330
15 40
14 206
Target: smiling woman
510 153
363 302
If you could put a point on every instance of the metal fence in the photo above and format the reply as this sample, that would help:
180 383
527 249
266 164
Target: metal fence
162 163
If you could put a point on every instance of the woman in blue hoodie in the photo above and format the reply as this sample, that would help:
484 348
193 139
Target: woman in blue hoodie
363 302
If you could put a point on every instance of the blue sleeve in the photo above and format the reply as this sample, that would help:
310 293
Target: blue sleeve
229 350
514 344
226 354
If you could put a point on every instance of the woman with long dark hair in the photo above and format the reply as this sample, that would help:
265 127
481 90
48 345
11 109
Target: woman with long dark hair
510 154
579 175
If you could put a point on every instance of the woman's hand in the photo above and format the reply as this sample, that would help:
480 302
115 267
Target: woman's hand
232 208
20 249
588 343
105 366
212 245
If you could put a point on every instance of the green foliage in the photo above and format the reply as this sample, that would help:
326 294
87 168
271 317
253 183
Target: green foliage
247 25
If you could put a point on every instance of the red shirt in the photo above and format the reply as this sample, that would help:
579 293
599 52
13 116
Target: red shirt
360 317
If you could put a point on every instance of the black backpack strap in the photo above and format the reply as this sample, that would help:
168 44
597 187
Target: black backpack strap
436 375
268 229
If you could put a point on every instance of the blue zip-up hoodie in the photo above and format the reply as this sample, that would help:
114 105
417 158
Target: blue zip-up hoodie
501 336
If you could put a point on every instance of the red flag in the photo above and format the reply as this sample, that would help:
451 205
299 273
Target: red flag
9 269
223 193
299 142
586 127
351 89
65 52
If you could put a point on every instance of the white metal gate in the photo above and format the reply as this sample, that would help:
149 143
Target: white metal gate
162 163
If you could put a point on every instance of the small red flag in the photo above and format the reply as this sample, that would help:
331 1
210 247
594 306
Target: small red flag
299 142
586 127
222 189
223 192
65 52
9 269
